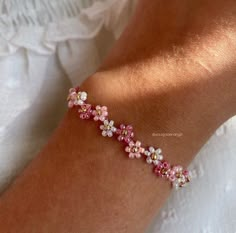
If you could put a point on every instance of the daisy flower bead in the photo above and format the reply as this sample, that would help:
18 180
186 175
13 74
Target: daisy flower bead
162 169
179 177
125 133
108 128
85 111
81 97
72 97
134 149
100 113
75 98
153 155
175 172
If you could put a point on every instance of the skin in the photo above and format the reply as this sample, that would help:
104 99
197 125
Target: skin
172 71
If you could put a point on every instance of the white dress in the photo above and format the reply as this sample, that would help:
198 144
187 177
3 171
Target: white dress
47 46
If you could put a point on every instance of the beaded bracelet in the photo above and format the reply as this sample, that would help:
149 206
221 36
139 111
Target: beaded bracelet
175 174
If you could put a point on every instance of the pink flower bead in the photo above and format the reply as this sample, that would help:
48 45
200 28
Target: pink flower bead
100 113
179 177
72 90
162 169
85 111
172 176
72 97
76 97
125 133
134 149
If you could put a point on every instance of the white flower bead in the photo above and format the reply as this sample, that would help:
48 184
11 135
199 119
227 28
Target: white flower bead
181 181
81 97
153 155
149 160
108 128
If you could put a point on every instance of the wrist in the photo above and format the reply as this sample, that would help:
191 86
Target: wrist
111 180
177 105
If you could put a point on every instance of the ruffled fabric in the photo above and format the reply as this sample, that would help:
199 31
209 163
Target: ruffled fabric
47 46
40 25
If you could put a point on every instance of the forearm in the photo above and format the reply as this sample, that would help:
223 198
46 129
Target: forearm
82 182
191 40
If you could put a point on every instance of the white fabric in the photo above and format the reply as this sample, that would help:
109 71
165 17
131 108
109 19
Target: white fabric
48 45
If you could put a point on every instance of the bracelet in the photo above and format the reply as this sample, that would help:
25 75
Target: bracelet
178 176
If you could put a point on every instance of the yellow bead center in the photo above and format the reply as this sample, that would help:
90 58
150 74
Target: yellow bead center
99 112
154 156
135 149
124 132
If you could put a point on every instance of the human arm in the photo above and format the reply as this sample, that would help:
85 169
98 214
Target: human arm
167 76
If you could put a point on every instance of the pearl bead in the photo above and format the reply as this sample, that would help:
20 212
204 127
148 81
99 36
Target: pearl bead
149 160
109 134
104 133
151 149
80 102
